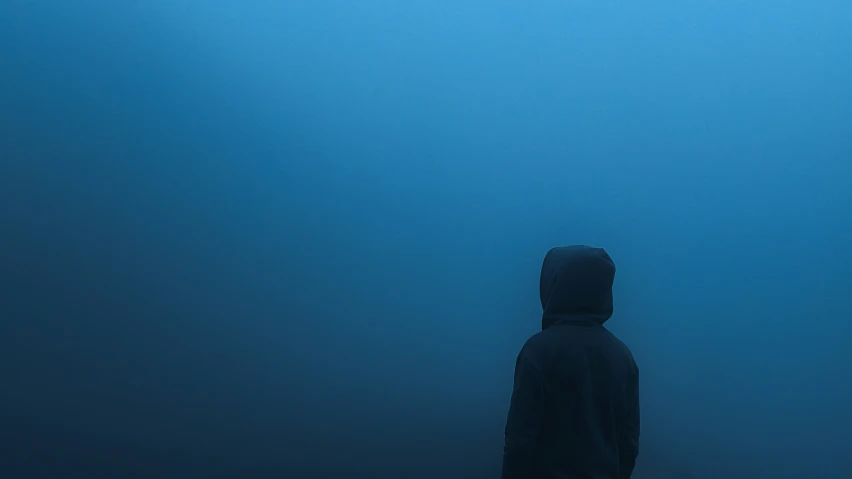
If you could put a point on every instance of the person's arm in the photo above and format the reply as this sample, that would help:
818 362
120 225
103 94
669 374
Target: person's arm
629 444
524 421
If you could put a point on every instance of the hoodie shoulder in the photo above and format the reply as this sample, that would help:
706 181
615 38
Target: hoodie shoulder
626 354
538 349
545 347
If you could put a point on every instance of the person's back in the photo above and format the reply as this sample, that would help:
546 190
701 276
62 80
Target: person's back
574 412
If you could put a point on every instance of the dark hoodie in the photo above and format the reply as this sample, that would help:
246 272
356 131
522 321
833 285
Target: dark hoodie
575 405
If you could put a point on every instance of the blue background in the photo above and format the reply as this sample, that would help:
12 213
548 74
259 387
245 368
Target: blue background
249 239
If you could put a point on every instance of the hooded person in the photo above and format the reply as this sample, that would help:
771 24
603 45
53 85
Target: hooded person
574 411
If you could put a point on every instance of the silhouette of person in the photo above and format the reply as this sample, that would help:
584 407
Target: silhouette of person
574 412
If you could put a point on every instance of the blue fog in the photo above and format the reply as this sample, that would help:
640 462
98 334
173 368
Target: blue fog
302 239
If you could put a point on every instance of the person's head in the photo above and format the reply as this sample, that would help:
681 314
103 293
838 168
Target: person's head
576 283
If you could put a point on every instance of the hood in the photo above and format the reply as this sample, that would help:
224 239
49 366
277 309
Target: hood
576 285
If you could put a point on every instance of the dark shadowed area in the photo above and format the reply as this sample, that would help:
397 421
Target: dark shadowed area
302 239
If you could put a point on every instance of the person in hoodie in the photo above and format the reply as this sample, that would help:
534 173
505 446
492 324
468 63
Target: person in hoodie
574 411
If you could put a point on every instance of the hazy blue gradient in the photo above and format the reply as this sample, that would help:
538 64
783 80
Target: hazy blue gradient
302 238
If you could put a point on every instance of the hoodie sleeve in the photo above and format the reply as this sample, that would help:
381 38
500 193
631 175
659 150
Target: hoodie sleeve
524 421
629 441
